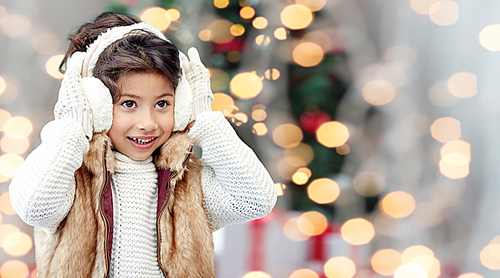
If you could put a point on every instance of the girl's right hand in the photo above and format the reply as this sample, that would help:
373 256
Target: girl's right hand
72 102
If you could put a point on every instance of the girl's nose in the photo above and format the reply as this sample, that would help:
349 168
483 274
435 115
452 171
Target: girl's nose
147 121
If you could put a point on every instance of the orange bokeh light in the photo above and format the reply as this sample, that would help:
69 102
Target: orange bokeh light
323 191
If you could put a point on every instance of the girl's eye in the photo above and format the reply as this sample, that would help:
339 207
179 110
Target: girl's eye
161 104
129 104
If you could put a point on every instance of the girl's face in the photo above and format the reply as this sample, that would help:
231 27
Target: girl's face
143 117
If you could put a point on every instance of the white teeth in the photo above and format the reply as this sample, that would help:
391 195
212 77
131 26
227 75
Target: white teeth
141 141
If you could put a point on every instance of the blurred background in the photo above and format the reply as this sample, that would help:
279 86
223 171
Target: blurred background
377 119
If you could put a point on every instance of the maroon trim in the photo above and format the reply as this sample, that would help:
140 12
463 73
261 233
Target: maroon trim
163 176
107 205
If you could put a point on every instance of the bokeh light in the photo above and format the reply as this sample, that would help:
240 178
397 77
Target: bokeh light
260 22
456 152
4 116
257 274
397 204
14 269
369 183
46 43
446 129
239 118
17 127
16 25
280 33
287 135
421 6
237 30
489 37
463 84
272 74
410 270
357 231
313 5
323 191
343 150
219 80
339 267
14 146
312 223
205 35
3 85
292 231
174 14
233 56
6 230
302 151
156 16
296 16
280 188
304 273
5 206
319 38
470 275
247 12
17 244
52 66
224 103
221 4
332 134
440 96
260 129
386 261
220 31
246 85
262 40
453 171
415 251
301 176
308 54
444 13
488 260
378 92
259 115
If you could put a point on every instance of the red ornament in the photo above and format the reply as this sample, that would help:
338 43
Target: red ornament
311 120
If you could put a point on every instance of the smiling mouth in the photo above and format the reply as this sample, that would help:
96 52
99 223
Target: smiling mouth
142 141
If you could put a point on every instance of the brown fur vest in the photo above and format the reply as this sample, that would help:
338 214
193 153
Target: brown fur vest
81 245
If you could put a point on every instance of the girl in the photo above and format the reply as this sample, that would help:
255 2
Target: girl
113 190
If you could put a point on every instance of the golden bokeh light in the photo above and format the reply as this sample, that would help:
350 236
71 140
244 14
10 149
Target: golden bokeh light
14 146
332 134
287 135
6 230
312 223
357 231
400 57
5 206
386 261
205 35
313 5
280 34
287 166
221 4
224 103
219 80
247 12
296 16
260 22
257 274
421 6
17 244
16 25
453 171
237 30
239 118
439 95
456 152
323 191
3 85
156 16
463 84
174 14
220 31
415 251
303 151
46 43
304 273
4 116
488 260
410 270
292 231
431 265
470 275
17 127
397 204
260 129
52 66
14 269
259 115
272 74
246 85
262 40
446 129
339 267
308 54
369 183
379 92
444 13
306 171
300 178
319 38
280 188
6 171
489 37
343 150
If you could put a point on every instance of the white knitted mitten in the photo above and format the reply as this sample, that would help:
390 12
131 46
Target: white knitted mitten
72 102
199 80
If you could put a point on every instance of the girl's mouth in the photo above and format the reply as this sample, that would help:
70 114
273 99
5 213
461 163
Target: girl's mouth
142 143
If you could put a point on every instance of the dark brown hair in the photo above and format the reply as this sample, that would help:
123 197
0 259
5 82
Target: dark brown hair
138 51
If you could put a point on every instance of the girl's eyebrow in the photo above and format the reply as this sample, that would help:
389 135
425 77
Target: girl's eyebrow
169 94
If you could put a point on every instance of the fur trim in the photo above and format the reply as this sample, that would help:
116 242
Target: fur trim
94 157
174 152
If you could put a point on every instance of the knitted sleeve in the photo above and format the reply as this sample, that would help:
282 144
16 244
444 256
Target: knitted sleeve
43 189
236 186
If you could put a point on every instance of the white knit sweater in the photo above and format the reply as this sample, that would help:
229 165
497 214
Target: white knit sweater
235 184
